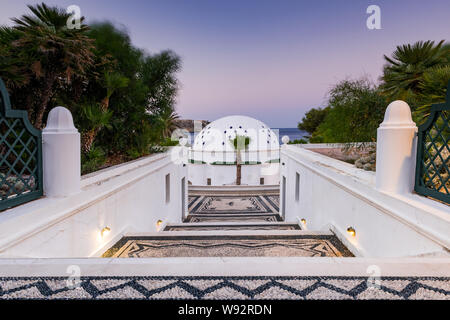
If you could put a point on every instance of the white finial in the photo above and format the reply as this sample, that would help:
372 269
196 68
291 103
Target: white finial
60 120
398 114
285 139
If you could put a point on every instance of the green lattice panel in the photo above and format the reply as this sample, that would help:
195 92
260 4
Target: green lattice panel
433 154
21 156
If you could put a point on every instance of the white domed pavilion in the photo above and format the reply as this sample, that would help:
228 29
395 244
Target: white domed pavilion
213 155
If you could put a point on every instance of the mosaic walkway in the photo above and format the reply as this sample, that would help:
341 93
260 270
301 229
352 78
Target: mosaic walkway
220 208
242 288
229 246
225 213
228 227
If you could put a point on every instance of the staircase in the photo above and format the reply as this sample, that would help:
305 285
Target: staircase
231 223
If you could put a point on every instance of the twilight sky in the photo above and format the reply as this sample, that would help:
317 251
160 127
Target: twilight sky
272 60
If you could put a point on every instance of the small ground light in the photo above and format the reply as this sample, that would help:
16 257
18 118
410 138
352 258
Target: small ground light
303 221
159 223
351 231
105 231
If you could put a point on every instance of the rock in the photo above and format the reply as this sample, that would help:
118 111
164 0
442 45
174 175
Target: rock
19 186
369 167
11 180
366 159
359 164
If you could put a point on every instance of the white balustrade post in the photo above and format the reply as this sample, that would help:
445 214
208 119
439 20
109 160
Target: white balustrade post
396 150
61 154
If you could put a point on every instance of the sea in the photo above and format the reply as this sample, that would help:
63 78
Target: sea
292 133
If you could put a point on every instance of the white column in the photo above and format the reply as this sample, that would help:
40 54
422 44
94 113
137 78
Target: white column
61 154
396 150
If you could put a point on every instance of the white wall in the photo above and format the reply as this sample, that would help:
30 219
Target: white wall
334 194
226 174
128 197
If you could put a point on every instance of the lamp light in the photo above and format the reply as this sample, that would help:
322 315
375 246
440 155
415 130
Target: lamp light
303 221
159 223
105 231
351 231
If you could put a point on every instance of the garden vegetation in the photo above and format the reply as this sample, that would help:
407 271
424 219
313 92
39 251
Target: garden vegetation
121 97
417 73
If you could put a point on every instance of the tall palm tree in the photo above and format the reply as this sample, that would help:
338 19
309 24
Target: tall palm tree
403 72
95 118
98 116
112 82
52 53
167 119
239 143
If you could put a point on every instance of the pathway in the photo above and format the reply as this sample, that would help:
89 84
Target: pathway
231 223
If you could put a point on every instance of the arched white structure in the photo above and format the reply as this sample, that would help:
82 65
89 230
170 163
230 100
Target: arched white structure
213 157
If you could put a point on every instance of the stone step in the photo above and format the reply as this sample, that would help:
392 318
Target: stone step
225 226
247 243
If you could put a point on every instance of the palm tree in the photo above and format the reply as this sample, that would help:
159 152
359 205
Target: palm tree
112 82
96 118
239 143
433 90
403 72
52 54
167 119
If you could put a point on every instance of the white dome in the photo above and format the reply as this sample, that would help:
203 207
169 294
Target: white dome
216 136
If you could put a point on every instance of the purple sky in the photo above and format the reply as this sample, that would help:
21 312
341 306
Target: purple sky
272 60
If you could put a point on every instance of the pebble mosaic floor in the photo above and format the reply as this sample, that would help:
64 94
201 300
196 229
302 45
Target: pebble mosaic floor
224 246
233 208
241 288
232 227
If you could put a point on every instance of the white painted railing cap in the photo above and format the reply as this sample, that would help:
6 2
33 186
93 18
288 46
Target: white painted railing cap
285 139
60 120
398 114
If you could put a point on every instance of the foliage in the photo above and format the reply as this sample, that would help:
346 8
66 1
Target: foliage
433 90
298 141
240 142
40 55
312 119
418 74
404 71
92 160
122 98
356 108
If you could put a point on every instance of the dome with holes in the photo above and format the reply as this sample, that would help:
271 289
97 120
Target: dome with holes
219 135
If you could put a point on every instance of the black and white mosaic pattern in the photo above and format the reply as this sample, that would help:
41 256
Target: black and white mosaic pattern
229 246
237 208
221 227
243 288
233 204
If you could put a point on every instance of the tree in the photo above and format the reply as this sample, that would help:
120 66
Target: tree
51 55
356 108
167 119
99 116
433 90
404 71
96 72
239 143
312 119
